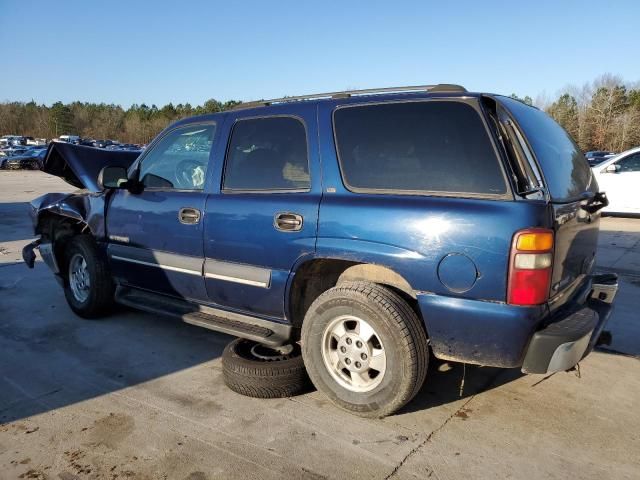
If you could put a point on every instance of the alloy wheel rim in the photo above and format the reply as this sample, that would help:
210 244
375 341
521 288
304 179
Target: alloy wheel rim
353 353
79 280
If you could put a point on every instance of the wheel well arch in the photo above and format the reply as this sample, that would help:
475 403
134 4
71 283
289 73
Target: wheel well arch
58 229
367 272
317 275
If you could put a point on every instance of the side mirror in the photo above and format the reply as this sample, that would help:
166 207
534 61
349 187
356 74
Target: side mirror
613 168
112 177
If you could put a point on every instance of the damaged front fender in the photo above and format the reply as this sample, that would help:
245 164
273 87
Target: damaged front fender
83 207
56 216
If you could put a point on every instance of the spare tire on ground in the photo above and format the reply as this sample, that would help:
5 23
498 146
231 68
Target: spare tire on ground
255 370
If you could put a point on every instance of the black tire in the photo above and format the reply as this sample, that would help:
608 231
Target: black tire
252 376
100 293
399 331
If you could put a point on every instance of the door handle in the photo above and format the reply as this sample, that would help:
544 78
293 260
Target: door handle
189 216
288 222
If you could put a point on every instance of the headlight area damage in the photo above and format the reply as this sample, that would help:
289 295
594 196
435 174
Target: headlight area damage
58 216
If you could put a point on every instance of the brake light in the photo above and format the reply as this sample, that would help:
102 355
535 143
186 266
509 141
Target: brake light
530 267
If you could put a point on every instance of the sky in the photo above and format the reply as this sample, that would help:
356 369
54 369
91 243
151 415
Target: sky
155 52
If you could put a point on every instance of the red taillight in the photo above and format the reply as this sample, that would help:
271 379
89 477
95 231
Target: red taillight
530 267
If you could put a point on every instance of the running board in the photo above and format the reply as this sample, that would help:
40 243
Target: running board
244 326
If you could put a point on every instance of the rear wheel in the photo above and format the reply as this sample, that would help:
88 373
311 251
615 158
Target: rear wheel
88 286
365 348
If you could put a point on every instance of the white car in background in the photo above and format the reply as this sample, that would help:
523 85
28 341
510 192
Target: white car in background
619 177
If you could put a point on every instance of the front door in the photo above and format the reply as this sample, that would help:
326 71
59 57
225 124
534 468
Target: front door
155 237
264 216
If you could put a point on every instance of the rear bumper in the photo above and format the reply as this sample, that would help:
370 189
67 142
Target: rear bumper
508 336
563 343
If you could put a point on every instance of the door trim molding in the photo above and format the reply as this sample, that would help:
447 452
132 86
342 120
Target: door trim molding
153 258
206 267
159 265
237 273
236 280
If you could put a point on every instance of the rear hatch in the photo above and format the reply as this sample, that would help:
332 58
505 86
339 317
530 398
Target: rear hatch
572 192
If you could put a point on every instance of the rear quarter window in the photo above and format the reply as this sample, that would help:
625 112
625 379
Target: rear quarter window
417 147
565 168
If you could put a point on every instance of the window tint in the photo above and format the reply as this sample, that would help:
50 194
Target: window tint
417 147
267 154
566 171
630 163
180 159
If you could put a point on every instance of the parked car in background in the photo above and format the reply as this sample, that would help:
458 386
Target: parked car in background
131 147
619 178
597 156
36 141
30 159
444 221
102 143
8 152
12 141
75 139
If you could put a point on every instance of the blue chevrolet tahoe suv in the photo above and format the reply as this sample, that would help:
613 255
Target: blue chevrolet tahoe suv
365 228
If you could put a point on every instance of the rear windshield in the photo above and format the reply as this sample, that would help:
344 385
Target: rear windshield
566 170
417 147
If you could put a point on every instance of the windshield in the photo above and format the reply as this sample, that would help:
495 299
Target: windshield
565 168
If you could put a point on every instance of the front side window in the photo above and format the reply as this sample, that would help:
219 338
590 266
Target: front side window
417 147
267 154
180 159
630 163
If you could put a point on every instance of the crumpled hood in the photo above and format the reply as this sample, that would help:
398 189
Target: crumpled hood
79 165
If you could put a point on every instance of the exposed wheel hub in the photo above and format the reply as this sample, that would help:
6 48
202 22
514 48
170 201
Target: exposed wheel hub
268 354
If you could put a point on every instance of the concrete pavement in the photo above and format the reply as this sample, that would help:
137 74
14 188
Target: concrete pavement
135 396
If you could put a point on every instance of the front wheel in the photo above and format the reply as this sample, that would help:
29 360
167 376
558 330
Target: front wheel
88 286
365 348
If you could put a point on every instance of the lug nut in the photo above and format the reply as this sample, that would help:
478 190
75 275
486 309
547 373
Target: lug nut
348 341
359 344
363 356
347 361
358 364
343 349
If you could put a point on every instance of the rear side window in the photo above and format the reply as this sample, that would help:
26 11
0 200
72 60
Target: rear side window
566 171
417 147
267 154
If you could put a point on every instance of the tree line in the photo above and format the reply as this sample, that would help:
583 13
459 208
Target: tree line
600 115
137 124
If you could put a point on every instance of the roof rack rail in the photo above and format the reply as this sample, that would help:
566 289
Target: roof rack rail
441 87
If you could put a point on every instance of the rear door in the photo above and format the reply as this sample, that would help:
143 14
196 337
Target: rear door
571 188
263 215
